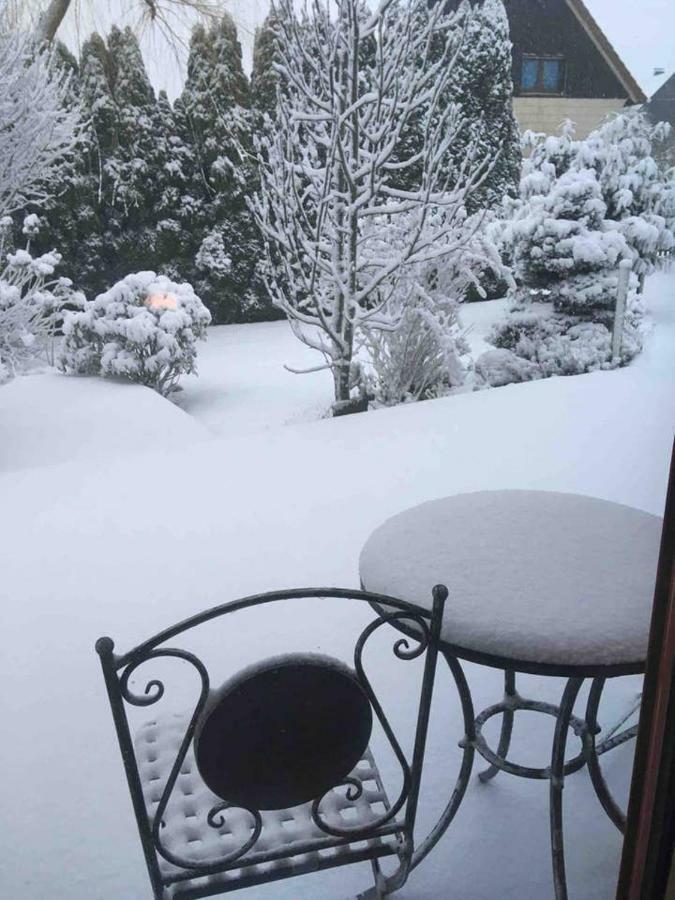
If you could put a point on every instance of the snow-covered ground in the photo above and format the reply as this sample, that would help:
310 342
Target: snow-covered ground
183 516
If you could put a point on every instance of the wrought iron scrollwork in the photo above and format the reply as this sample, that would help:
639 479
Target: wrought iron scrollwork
403 651
154 691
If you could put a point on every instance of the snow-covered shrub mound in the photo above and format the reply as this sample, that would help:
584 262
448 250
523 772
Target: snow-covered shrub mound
145 329
499 367
557 345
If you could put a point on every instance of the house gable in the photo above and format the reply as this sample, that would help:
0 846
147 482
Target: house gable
559 29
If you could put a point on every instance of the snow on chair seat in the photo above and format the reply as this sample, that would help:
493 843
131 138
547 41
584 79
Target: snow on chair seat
187 833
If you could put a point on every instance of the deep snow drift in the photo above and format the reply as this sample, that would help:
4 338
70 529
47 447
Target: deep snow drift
134 543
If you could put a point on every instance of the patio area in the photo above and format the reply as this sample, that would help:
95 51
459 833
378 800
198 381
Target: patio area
184 520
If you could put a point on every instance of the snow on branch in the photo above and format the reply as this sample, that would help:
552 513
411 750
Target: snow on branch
39 126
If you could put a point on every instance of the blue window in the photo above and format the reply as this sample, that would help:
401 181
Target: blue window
542 75
530 74
552 74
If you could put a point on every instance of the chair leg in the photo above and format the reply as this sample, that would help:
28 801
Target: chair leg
507 727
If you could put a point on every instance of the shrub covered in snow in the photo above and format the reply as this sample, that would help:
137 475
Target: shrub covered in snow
420 358
584 206
499 367
32 301
145 329
560 344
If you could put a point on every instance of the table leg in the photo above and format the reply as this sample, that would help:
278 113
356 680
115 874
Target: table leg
467 745
608 802
507 725
557 779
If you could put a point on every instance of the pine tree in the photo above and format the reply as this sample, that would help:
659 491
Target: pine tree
129 226
264 78
214 109
178 207
483 88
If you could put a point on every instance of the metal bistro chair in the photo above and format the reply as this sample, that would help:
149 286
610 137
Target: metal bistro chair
271 775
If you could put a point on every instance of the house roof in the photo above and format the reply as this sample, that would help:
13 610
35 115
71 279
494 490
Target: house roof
661 107
597 35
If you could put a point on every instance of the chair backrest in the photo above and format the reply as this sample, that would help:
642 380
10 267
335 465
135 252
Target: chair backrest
283 732
280 733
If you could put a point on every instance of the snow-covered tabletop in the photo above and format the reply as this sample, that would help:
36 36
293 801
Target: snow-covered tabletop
535 576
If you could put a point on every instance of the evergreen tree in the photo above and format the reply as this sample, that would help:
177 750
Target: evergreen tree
129 227
483 89
178 207
214 110
264 77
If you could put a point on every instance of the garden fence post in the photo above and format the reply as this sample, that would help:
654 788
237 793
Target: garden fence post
625 267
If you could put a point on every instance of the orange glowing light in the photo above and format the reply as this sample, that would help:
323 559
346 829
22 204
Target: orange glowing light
161 301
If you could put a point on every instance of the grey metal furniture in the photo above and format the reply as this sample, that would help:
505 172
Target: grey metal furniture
270 775
540 583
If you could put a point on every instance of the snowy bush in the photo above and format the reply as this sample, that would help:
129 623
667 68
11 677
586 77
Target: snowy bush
145 329
32 301
560 344
419 354
420 358
584 206
500 367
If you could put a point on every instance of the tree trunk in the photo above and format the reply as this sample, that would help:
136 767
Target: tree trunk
50 20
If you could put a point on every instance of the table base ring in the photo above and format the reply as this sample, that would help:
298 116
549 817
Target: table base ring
510 704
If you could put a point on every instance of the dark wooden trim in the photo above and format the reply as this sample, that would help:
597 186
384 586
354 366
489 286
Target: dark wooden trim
613 59
648 844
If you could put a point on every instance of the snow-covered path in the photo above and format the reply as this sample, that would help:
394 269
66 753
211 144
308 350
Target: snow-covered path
127 545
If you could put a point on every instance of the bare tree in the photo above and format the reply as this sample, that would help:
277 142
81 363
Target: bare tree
39 128
352 85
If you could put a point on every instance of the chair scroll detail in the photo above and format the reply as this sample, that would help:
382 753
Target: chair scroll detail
215 812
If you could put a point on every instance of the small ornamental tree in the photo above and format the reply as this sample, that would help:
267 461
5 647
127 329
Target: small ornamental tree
144 329
352 83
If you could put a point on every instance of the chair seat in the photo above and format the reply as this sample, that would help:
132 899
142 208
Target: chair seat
187 834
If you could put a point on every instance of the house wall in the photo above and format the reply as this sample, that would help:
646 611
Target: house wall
546 114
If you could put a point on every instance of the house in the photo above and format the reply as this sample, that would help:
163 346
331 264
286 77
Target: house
661 108
564 67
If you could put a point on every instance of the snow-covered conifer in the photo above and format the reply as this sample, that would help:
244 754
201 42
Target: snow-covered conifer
214 110
264 77
482 85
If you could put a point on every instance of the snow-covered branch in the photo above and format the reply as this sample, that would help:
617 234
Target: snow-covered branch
39 127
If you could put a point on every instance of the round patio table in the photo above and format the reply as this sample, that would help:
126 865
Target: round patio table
539 582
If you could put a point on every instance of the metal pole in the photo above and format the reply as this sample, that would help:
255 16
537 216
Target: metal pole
625 267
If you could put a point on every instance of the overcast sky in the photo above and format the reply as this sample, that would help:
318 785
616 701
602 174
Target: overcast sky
642 31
